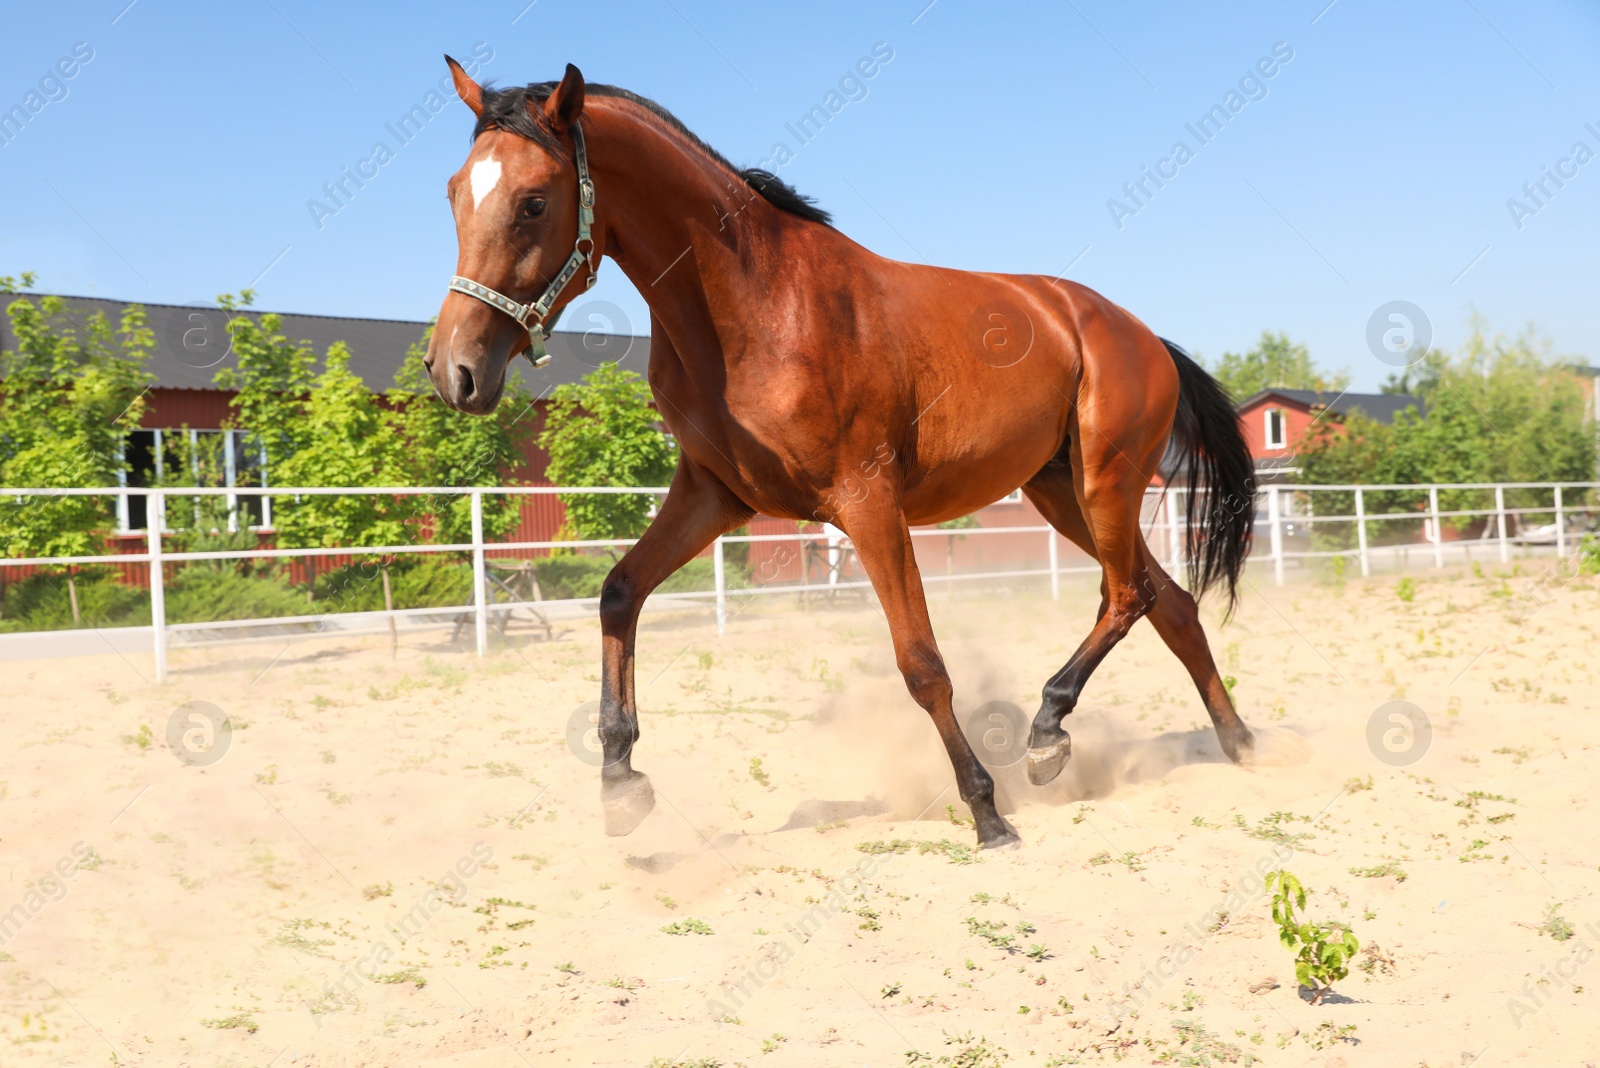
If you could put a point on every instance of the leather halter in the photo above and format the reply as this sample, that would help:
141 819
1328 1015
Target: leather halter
531 317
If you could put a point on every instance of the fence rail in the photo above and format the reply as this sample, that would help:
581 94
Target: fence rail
1278 508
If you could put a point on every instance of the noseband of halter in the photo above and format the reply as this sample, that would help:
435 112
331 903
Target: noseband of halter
531 317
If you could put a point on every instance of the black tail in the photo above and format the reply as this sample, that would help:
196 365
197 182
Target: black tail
1215 467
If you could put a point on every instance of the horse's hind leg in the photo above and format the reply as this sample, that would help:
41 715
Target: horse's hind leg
1108 529
697 509
1173 614
1177 620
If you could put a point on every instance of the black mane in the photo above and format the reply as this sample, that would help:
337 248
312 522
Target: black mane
509 110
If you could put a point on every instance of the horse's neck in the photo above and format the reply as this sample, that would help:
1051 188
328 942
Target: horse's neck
676 224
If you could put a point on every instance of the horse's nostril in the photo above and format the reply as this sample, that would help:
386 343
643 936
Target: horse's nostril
464 382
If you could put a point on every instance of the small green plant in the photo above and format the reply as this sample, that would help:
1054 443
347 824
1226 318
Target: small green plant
992 932
377 890
142 739
1379 871
954 852
890 991
971 1052
1327 1033
568 967
758 773
1322 954
950 812
1406 590
1130 860
1228 683
1270 829
1356 785
770 1044
686 927
405 975
228 1023
1555 925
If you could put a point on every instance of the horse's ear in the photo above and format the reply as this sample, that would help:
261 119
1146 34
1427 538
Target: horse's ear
470 92
563 106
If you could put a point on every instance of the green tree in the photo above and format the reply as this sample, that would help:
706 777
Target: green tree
443 447
345 437
1275 361
71 392
1498 410
603 432
272 376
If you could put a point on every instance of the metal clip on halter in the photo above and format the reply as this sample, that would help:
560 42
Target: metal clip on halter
531 317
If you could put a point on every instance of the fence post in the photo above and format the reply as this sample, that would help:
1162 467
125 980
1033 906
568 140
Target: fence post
1055 566
1561 527
722 585
1361 533
155 517
1438 530
1174 538
1500 522
1274 516
480 579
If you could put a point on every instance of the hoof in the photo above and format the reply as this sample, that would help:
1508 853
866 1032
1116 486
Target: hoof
1046 762
1005 838
626 803
1240 747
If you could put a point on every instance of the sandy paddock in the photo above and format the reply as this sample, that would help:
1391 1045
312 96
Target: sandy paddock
400 862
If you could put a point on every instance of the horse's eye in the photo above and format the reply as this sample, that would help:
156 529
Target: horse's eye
532 208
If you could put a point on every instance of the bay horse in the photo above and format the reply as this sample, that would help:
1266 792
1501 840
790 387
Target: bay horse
806 377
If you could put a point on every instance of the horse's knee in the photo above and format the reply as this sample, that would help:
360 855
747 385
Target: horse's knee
618 598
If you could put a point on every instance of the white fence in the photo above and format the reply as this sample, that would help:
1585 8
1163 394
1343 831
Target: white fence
1280 511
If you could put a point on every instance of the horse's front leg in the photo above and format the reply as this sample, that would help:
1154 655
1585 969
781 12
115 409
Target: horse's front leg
877 527
698 508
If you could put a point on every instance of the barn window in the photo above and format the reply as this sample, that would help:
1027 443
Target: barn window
1276 430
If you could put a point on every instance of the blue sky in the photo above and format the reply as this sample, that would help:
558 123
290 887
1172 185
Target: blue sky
178 161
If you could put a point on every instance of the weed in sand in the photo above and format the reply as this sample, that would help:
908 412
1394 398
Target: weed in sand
686 927
954 852
1379 871
758 774
228 1023
1323 952
1555 925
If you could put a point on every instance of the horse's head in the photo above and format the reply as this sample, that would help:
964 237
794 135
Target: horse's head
516 207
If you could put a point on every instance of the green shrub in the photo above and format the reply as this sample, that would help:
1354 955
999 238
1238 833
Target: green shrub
1589 556
427 582
572 575
206 595
41 602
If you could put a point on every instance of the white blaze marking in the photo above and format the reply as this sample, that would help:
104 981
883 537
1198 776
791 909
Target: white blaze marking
485 176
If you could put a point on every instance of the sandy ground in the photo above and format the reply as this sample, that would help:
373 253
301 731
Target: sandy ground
400 862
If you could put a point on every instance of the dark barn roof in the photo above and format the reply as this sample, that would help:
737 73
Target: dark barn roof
1379 407
191 344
